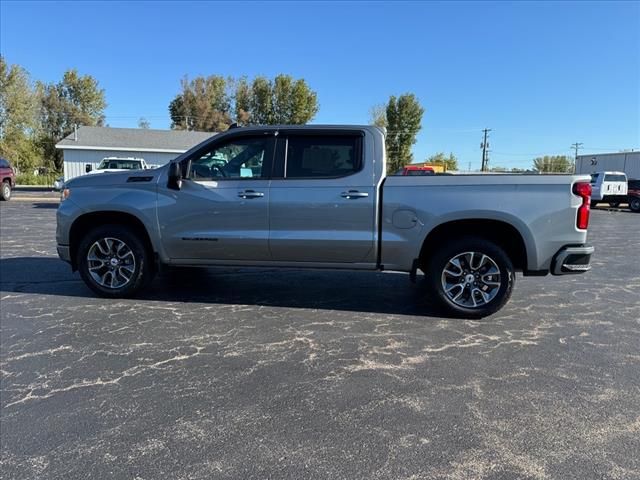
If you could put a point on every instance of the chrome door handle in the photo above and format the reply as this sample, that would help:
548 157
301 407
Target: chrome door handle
353 194
250 194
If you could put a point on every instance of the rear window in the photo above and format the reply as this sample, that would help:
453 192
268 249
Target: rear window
594 177
4 163
615 178
320 156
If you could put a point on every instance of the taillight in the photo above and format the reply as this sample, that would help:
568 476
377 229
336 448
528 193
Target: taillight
583 190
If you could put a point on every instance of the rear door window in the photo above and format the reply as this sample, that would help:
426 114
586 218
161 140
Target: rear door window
322 156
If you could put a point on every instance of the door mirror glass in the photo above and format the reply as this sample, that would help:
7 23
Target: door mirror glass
175 176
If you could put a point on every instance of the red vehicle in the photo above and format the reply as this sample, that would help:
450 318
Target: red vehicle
8 178
633 194
417 170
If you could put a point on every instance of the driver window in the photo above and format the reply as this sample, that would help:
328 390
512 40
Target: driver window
239 158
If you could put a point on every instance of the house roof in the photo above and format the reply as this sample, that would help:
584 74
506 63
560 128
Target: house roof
132 139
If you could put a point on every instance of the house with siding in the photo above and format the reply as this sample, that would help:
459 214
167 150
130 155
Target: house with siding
89 145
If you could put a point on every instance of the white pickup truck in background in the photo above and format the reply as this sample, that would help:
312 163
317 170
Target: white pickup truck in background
118 164
609 187
318 197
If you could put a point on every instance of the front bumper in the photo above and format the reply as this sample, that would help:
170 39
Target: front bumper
64 253
572 259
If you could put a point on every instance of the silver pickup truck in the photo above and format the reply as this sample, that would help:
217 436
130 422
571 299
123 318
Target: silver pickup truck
318 197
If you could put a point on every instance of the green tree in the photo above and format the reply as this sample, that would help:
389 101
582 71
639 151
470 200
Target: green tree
261 102
143 123
303 105
75 100
404 116
450 162
209 103
553 164
281 101
18 117
204 104
242 100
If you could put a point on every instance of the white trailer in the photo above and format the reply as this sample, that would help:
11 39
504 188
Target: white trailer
627 162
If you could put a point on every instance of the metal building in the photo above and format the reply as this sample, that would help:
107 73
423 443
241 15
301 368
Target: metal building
627 162
89 145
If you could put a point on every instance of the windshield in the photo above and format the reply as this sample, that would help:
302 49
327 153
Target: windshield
120 164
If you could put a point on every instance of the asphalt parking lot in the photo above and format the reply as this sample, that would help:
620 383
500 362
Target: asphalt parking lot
243 373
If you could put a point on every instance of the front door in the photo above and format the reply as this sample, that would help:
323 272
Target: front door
222 210
322 205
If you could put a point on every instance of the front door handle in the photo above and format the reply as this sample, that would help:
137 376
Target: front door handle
353 194
250 194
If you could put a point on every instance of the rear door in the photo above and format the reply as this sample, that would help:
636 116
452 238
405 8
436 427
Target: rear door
322 199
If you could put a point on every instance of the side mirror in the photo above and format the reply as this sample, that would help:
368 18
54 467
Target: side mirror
175 176
88 168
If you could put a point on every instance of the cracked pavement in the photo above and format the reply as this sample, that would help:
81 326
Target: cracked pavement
248 373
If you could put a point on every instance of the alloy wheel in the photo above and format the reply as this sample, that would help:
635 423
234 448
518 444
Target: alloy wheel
471 279
111 263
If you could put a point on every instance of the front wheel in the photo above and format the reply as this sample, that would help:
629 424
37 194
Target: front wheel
471 277
634 204
113 261
5 191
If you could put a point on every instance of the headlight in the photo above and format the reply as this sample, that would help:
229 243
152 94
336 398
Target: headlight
64 194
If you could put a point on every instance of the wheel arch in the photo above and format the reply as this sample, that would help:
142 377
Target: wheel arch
500 232
87 221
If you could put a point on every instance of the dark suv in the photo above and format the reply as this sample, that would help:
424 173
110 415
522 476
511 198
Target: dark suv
633 194
8 178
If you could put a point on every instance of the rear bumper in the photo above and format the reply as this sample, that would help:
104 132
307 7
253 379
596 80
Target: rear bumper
571 260
613 198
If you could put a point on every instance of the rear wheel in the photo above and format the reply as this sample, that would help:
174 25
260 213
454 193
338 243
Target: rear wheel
114 262
471 277
5 190
593 203
634 204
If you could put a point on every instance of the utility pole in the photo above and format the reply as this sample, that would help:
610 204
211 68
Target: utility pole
484 145
576 146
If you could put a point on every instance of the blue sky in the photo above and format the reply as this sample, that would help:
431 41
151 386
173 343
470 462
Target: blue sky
542 75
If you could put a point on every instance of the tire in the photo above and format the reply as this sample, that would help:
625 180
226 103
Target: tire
479 299
5 191
123 277
614 204
593 203
634 204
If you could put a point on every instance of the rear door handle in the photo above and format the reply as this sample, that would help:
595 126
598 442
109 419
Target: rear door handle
250 194
353 194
